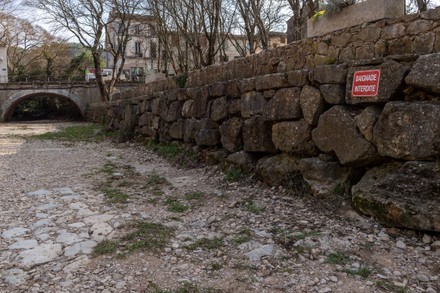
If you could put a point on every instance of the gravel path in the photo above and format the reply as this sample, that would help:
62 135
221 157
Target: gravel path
62 201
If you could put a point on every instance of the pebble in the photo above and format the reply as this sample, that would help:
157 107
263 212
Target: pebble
400 244
422 278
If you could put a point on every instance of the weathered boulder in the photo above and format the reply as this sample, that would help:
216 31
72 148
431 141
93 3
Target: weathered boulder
367 119
337 132
243 161
174 111
257 135
409 131
234 107
312 104
284 105
390 85
208 133
278 170
333 93
330 74
176 130
294 137
217 89
231 131
401 195
252 103
425 73
271 81
219 109
190 130
188 109
201 101
298 77
323 176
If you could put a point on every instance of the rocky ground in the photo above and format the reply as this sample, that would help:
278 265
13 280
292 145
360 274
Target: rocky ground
108 217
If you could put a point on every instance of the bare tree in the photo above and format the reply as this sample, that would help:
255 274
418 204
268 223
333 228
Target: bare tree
89 21
255 19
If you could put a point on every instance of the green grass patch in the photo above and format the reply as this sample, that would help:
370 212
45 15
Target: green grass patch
115 196
105 247
233 175
245 235
206 243
147 236
175 206
175 152
338 258
195 195
87 133
250 206
155 179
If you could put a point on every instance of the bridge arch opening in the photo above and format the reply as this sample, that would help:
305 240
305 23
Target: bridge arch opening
42 106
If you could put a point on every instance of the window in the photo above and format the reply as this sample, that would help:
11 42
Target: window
137 29
153 50
138 49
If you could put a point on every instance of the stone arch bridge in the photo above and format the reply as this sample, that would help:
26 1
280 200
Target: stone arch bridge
81 94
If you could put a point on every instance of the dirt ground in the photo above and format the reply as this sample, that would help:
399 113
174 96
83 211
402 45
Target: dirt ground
101 216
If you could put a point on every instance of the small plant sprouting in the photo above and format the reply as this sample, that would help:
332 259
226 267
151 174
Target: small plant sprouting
338 258
115 196
195 195
105 247
175 206
233 175
206 243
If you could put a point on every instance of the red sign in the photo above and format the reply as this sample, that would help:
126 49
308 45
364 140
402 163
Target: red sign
366 83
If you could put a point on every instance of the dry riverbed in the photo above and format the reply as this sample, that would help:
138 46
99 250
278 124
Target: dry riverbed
98 216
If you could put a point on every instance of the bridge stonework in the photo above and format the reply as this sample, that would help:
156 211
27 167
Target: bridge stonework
11 94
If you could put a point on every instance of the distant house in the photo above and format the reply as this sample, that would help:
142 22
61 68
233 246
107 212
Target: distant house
145 57
3 63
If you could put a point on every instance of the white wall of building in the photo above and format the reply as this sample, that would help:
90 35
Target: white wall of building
3 65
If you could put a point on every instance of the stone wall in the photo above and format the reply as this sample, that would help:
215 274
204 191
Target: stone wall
290 111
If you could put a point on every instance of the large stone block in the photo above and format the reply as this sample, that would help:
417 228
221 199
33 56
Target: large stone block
190 128
271 81
176 130
245 162
279 170
337 132
217 89
208 133
298 77
312 104
257 135
174 111
294 137
188 109
201 101
424 73
219 109
252 103
330 74
409 131
324 176
231 134
367 120
284 105
401 195
333 93
390 85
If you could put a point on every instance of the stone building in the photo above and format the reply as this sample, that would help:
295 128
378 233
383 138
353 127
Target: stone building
3 64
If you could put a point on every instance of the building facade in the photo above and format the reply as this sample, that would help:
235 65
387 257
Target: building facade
3 64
